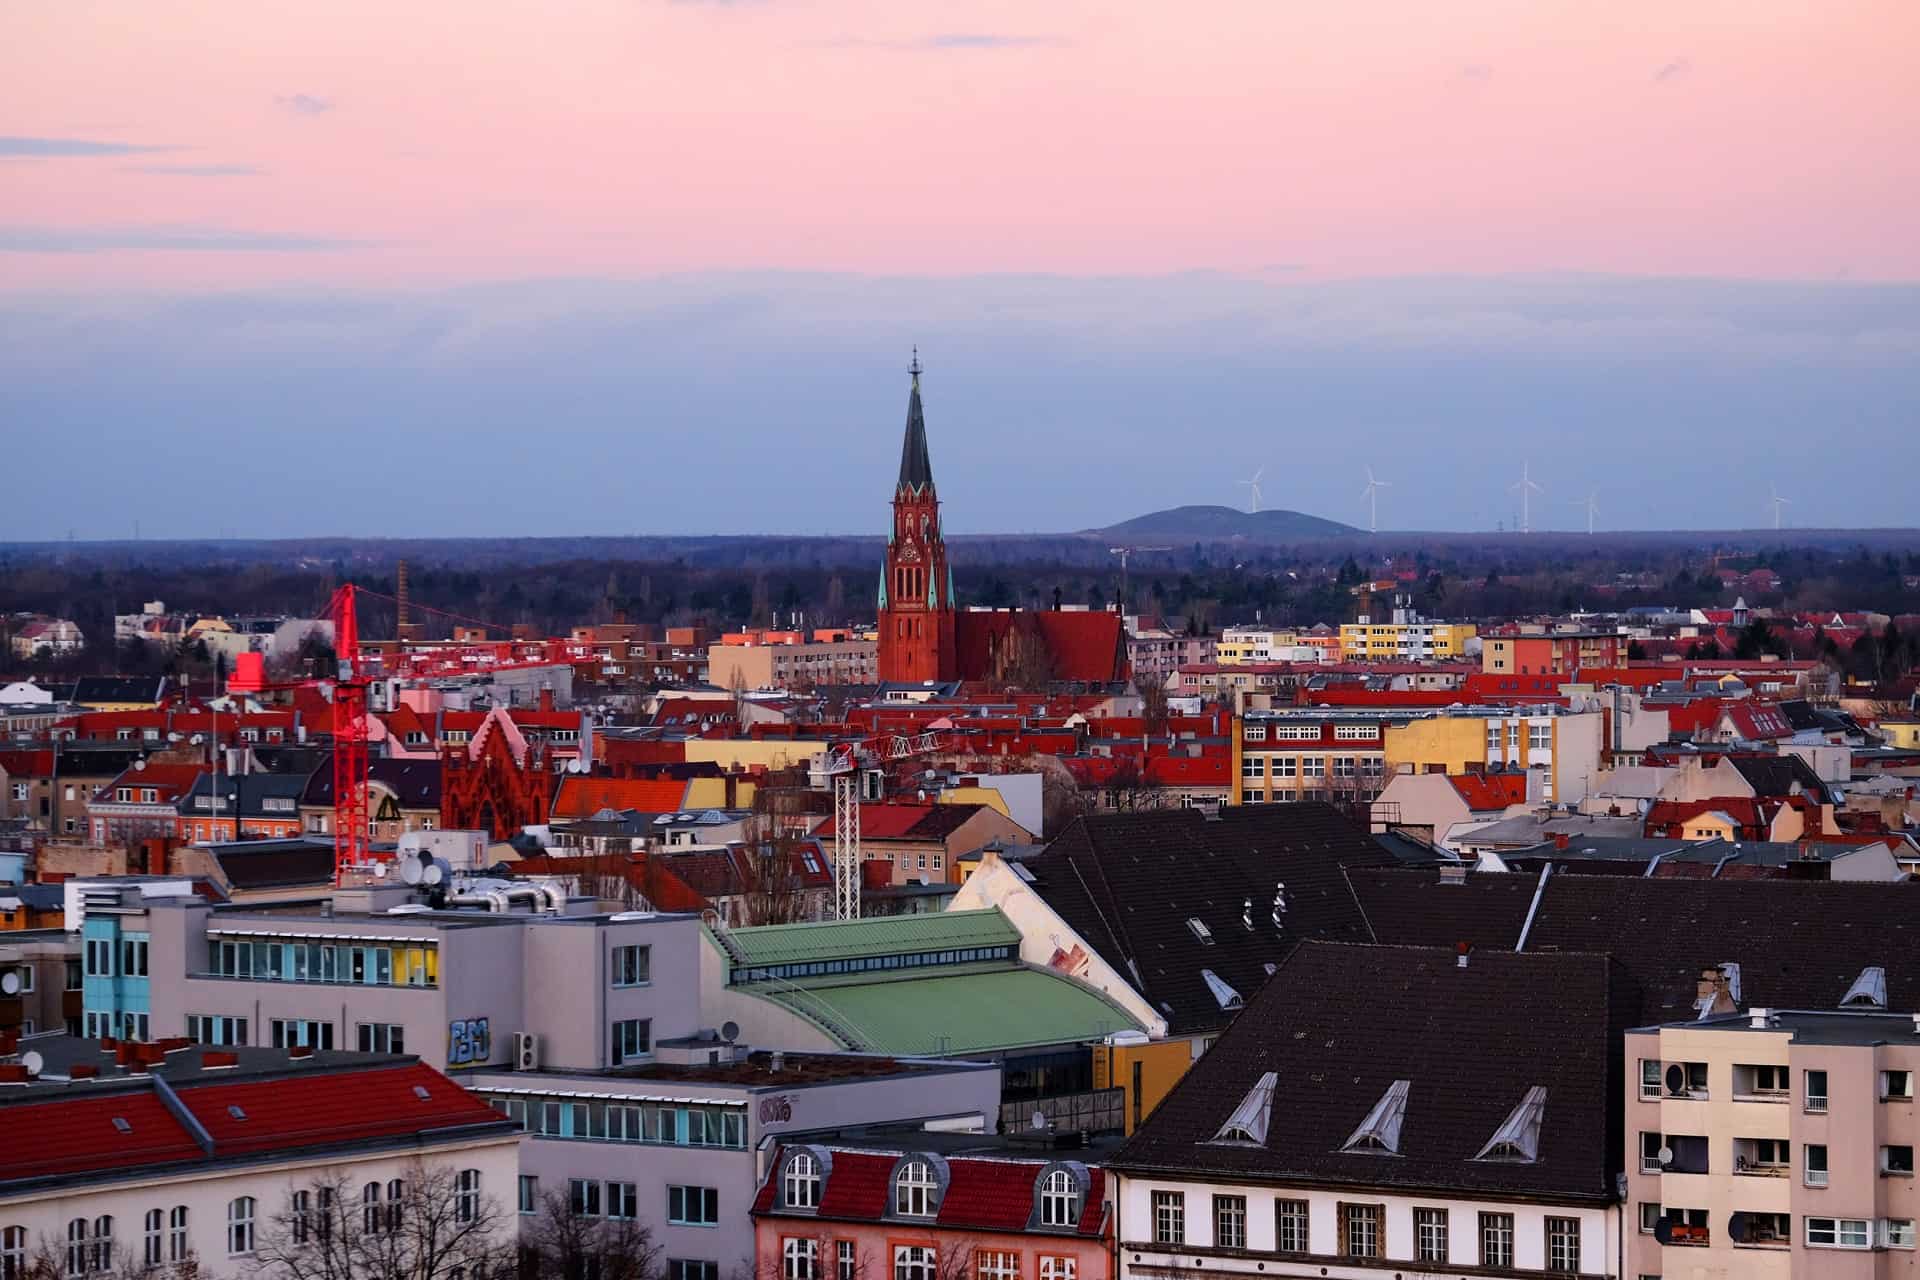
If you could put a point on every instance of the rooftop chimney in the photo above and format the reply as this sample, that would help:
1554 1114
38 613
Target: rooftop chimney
1760 1018
1461 950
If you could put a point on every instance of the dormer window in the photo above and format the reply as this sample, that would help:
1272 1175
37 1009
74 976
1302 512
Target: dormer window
800 1185
1869 990
1518 1137
1249 1120
916 1192
1379 1133
1059 1199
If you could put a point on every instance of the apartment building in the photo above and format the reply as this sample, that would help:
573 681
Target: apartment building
1386 1111
1346 755
1776 1142
1552 653
1404 635
189 1161
796 663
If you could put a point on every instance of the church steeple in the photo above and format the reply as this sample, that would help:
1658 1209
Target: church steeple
916 471
916 613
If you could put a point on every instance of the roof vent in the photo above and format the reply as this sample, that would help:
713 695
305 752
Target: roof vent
1379 1133
1518 1138
121 1123
1869 990
420 1092
1759 1018
1248 1123
236 1112
1223 993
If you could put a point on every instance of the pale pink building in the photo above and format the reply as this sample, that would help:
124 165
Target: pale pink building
1776 1143
833 1213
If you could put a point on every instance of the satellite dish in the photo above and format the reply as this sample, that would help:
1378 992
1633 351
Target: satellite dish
1039 1121
1739 1227
33 1062
140 764
729 1031
1664 1156
410 870
1663 1229
10 982
1677 1080
433 873
379 871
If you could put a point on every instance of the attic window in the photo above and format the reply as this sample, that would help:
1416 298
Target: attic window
236 1112
1869 990
120 1123
1200 930
1223 994
1248 1123
1379 1133
1518 1138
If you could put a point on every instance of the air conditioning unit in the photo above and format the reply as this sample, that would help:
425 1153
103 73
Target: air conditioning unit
526 1051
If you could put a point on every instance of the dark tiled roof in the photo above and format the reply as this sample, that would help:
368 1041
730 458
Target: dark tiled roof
1799 943
416 781
1777 776
916 470
1129 883
1341 1023
275 864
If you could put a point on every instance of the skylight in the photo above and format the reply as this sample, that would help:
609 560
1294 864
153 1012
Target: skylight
1200 930
1518 1137
236 1113
420 1092
1869 990
1248 1123
1223 994
1380 1131
121 1123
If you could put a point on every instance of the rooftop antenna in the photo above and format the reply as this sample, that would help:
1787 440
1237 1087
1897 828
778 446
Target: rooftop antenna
1592 503
1254 485
1372 494
1773 497
1526 488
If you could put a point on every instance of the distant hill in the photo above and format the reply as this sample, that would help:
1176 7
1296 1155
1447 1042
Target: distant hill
1210 523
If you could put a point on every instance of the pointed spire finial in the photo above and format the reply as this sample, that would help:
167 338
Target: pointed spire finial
914 368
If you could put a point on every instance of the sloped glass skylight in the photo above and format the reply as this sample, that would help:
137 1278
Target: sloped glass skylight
1518 1138
1248 1123
1380 1131
1869 990
1223 993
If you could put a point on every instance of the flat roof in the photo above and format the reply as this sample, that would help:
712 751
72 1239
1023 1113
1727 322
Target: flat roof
757 1072
1815 1026
778 944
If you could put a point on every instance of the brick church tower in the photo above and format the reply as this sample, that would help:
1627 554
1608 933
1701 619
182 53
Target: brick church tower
916 587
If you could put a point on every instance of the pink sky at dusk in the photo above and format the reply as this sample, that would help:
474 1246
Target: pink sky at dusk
489 140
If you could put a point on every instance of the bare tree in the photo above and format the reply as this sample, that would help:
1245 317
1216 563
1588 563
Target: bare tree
776 890
563 1242
432 1223
1154 712
1131 788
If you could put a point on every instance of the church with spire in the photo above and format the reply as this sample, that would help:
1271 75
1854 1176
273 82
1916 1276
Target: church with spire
916 586
926 638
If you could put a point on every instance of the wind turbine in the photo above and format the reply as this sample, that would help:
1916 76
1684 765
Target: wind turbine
1526 488
1254 484
1773 496
1592 503
1372 494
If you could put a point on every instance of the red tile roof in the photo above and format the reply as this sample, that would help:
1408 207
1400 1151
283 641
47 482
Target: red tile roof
1487 792
279 1113
582 797
981 1194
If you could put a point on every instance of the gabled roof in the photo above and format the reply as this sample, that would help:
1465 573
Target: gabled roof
581 796
1130 883
908 821
414 782
1363 1034
981 1193
1490 792
75 1137
1800 944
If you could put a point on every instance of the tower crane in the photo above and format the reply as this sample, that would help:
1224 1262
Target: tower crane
840 769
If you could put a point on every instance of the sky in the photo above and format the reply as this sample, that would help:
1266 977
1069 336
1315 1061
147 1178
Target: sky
653 266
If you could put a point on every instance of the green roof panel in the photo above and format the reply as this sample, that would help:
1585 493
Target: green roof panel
774 944
975 1010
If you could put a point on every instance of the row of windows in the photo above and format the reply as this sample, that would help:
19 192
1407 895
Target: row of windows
1685 1153
228 1029
1361 1230
1312 766
378 964
132 956
648 1122
124 1025
864 964
1691 1227
90 1242
800 1259
1757 1082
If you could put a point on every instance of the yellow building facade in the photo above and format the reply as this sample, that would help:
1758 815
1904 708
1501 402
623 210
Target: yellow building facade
1404 641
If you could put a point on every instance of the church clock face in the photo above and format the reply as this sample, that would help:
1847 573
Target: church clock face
910 553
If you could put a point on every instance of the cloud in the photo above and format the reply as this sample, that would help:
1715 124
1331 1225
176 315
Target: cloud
304 104
49 147
949 40
1671 71
198 170
29 239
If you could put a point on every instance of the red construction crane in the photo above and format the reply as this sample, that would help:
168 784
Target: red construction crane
349 739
